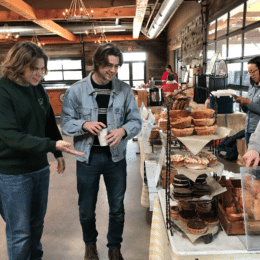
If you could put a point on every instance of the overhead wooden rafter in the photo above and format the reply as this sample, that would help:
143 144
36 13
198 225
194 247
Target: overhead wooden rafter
25 10
57 40
57 14
141 6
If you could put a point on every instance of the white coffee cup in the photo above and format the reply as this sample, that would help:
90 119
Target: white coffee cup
101 137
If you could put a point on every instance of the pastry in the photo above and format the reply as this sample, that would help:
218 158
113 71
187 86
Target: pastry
181 181
211 221
205 130
204 121
182 192
174 211
177 159
211 158
203 207
200 189
162 124
164 115
182 132
202 178
186 215
186 205
196 160
202 113
196 226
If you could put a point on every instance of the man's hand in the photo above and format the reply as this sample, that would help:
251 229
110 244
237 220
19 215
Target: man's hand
243 101
115 136
61 165
66 147
251 157
93 127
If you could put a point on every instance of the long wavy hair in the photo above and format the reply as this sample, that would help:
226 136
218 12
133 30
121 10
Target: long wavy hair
100 57
19 57
256 61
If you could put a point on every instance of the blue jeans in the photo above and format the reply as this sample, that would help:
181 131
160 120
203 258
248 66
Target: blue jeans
23 205
88 176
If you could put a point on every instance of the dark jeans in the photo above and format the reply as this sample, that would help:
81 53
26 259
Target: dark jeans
88 176
23 205
247 137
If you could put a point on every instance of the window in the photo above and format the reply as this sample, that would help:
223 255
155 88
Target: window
212 30
222 48
222 25
252 43
236 18
133 69
64 70
252 12
237 40
235 46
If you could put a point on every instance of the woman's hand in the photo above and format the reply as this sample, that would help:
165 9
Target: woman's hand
252 158
61 165
66 147
243 101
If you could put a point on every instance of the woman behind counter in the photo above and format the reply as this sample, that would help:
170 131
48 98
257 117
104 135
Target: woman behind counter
251 104
169 70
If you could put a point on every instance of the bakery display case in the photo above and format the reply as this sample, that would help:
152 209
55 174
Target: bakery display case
250 178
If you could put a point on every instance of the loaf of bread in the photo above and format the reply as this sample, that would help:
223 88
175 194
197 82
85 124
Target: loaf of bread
182 132
179 113
202 113
182 122
204 121
206 130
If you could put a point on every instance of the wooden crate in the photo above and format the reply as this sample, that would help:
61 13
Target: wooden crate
236 227
231 227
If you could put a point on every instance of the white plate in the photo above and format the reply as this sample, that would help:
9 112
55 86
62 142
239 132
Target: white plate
195 166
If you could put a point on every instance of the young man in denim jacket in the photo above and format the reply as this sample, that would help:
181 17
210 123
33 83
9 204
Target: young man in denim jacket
101 101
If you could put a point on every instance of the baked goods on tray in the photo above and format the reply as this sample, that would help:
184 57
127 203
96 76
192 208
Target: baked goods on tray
211 157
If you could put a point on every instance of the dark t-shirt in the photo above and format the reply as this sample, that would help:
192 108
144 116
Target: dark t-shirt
103 95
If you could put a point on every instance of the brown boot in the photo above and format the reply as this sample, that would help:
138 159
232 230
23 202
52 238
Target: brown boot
115 254
91 252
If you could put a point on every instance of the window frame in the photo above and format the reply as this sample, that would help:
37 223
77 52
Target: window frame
67 82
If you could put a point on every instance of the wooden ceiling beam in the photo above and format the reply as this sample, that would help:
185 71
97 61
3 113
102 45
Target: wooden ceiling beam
58 40
25 10
57 14
141 6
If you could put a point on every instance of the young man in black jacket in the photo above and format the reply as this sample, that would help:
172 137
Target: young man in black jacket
28 131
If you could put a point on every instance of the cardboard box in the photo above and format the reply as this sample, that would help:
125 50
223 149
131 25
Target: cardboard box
241 149
198 71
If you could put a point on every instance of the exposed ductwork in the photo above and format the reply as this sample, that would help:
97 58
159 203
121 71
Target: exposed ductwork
164 15
30 30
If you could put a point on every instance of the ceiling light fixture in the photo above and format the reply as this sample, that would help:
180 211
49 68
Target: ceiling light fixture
6 34
36 41
77 11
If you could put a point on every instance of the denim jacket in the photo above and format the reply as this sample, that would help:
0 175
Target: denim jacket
80 105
